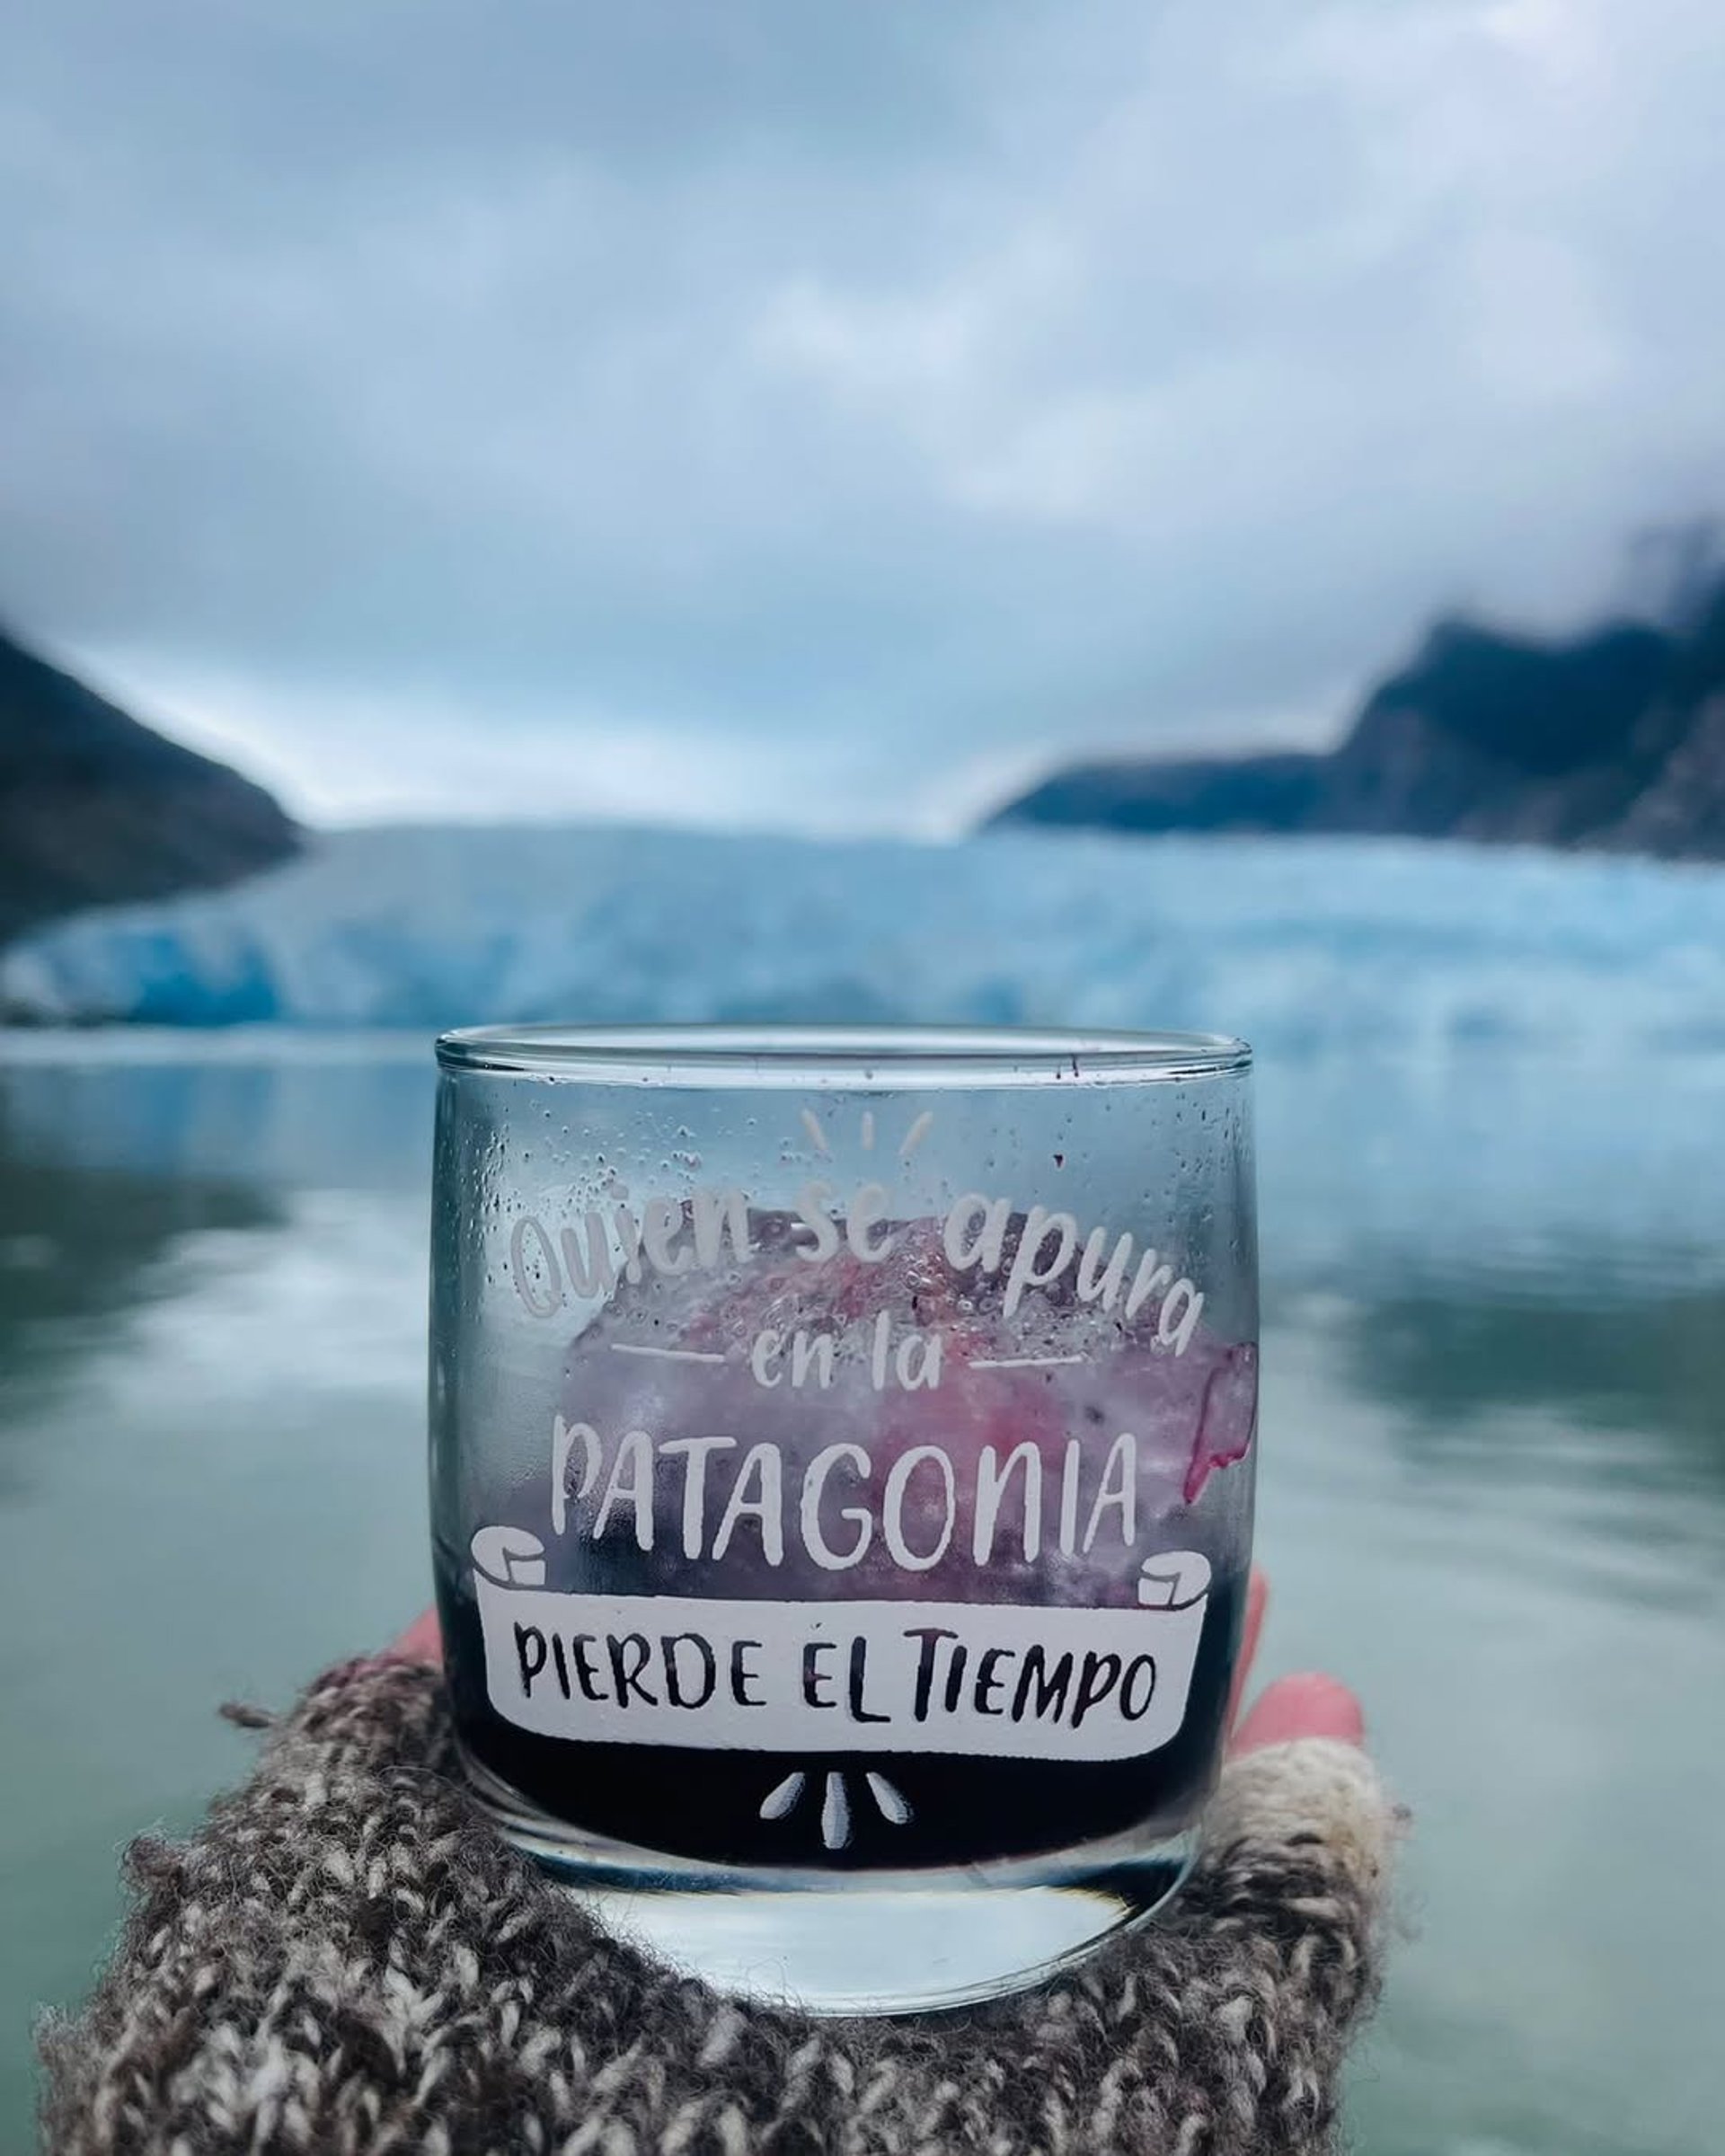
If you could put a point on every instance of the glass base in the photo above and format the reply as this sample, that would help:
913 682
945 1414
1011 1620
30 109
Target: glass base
838 1943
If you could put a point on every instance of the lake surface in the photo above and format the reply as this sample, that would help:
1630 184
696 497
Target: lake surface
1493 1497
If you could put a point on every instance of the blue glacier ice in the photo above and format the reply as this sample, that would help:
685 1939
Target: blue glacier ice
1294 943
1466 1058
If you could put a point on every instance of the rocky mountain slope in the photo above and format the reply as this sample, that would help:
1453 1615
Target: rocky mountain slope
1612 738
96 809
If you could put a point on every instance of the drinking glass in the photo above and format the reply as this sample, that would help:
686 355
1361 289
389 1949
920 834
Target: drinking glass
841 1482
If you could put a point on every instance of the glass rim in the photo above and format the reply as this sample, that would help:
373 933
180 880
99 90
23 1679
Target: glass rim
856 1056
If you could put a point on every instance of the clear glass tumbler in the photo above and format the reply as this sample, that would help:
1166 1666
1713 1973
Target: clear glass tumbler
841 1480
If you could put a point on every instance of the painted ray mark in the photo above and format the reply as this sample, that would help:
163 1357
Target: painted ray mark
836 1817
892 1802
866 1132
777 1802
918 1132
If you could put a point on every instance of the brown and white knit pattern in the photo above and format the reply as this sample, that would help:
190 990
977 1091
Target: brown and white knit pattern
346 1960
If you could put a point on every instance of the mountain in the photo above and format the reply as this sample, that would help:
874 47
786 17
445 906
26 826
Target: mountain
1612 738
96 809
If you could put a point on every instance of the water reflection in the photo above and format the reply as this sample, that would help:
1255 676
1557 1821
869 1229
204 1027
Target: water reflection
82 1244
212 1295
272 1112
1515 1386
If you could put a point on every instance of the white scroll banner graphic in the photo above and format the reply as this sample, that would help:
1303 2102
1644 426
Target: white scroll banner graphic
1002 1681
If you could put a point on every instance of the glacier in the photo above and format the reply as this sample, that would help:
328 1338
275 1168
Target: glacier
1297 944
1467 1059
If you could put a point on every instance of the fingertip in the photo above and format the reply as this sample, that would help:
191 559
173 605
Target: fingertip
1250 1631
1311 1704
423 1641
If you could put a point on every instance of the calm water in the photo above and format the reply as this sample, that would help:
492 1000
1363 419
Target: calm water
1493 1495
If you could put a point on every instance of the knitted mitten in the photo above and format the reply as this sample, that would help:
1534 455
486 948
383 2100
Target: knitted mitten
346 1958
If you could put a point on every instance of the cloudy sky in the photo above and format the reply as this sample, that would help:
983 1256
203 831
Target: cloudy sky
824 413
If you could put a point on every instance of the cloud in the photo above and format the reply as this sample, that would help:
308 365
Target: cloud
828 408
